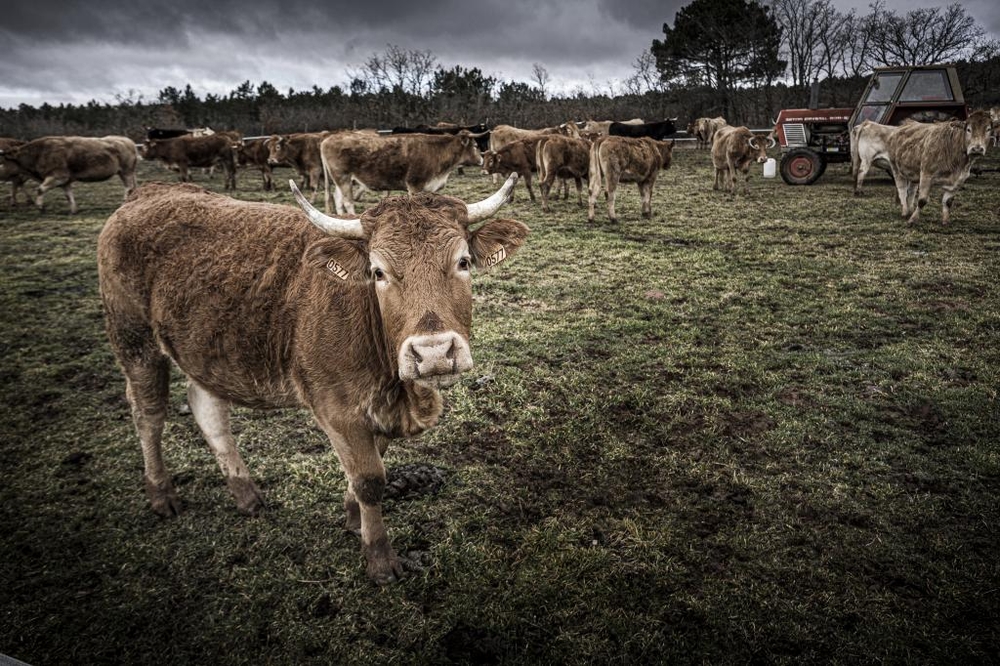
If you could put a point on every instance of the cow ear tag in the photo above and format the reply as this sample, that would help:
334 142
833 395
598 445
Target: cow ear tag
496 257
337 269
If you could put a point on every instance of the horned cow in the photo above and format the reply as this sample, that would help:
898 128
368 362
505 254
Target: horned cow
734 149
362 321
926 154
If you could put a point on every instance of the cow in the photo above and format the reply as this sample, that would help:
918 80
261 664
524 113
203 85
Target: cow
184 152
735 149
411 162
658 130
60 161
515 157
154 133
704 129
479 130
562 156
602 126
926 154
501 135
301 152
9 171
621 159
254 152
361 321
869 146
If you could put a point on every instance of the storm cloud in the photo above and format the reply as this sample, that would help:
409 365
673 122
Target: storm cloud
59 52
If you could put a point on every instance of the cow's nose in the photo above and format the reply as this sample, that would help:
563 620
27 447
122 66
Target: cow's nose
435 360
977 150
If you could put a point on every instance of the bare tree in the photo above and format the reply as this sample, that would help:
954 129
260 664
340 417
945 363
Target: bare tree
540 75
645 77
397 69
924 36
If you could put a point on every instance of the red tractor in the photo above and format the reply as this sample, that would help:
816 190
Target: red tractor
812 138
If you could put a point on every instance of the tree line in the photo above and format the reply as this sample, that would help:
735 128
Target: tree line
742 59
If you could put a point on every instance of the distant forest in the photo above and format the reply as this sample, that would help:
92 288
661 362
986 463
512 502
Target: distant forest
772 53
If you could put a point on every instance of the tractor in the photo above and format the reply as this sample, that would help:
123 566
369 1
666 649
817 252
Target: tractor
814 137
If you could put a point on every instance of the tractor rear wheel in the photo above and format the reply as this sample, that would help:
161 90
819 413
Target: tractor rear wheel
801 166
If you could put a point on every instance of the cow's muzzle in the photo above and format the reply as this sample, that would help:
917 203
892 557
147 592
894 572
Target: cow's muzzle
434 361
978 149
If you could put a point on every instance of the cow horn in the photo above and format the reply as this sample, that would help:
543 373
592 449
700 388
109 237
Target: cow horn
751 142
487 208
771 142
330 225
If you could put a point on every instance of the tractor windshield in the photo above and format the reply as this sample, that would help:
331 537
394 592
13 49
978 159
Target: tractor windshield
927 86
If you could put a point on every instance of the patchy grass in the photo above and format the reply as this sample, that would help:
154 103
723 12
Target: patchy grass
753 430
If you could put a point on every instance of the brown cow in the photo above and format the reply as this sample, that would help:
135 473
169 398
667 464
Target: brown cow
561 156
925 154
254 152
361 321
615 159
518 157
301 152
501 135
735 149
60 161
10 171
184 152
704 129
411 162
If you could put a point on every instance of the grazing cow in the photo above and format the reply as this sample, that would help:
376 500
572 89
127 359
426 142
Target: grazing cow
255 152
869 146
621 159
411 162
562 156
361 321
10 171
515 157
735 149
925 154
60 161
301 152
658 130
184 152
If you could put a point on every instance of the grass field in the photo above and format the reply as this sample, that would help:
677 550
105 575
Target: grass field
761 430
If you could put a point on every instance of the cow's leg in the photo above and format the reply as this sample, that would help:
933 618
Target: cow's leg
593 190
268 176
359 455
527 183
147 387
902 192
612 193
922 194
212 416
128 180
718 179
230 173
544 188
949 194
646 197
746 180
315 177
347 193
565 188
53 180
859 177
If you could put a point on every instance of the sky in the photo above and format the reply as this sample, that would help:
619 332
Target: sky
72 52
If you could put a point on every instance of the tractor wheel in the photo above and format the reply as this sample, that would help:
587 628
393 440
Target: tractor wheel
801 166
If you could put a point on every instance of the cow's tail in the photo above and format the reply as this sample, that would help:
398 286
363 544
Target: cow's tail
539 160
594 173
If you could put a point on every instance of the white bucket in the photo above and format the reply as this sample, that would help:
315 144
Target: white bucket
770 168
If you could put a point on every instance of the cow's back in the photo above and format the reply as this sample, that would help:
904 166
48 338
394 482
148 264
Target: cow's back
159 250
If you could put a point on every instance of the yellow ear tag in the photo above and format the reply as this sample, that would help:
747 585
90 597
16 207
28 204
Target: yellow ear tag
337 269
496 257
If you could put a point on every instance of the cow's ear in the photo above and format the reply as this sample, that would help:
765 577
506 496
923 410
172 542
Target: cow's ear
495 241
339 258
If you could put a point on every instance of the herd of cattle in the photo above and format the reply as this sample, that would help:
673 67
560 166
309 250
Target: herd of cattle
361 320
420 159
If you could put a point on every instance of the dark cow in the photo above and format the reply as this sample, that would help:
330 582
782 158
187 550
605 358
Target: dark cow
734 149
254 152
155 133
184 152
301 152
600 127
561 156
620 159
9 171
60 161
658 130
411 162
360 321
924 154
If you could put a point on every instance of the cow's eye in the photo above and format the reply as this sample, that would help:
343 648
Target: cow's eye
464 264
378 274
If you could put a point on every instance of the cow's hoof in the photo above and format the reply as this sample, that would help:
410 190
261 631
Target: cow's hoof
164 499
383 565
249 500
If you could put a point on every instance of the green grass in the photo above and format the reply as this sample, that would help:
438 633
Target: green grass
753 430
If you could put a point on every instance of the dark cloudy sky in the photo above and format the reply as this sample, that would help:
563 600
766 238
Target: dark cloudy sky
60 51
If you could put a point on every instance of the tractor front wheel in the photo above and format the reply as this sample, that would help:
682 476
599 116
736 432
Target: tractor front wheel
801 166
